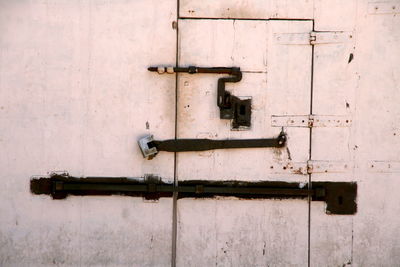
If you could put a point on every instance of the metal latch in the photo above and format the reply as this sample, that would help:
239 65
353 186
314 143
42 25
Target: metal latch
151 147
340 197
231 107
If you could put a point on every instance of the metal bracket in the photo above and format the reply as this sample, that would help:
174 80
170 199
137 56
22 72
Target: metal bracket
311 121
313 38
330 37
384 7
340 197
231 107
380 166
325 166
151 147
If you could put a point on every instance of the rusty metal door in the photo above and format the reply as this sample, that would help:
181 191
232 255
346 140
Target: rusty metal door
277 78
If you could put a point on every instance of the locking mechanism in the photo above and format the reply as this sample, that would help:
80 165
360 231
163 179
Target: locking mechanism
231 107
340 197
151 147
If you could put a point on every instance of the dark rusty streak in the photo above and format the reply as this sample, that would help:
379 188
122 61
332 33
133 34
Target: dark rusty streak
351 57
288 152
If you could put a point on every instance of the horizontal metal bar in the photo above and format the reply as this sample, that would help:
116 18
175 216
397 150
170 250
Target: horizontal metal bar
102 187
183 145
340 197
65 187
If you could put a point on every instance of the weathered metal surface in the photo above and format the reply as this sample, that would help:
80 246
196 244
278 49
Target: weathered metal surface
340 197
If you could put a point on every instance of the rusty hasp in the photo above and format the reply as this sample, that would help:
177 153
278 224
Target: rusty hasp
231 107
340 197
151 147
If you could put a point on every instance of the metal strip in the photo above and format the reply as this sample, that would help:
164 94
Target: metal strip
384 166
389 7
311 121
340 197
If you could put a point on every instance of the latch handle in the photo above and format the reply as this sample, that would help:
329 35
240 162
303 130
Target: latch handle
151 147
231 107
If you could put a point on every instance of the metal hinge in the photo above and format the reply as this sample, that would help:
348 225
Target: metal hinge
330 37
312 166
382 166
384 7
328 166
313 38
311 121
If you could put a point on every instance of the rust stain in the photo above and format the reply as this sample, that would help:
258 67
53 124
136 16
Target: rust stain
351 57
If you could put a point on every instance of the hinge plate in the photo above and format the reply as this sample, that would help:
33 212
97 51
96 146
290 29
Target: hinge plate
330 37
313 38
390 7
384 166
328 166
292 38
311 121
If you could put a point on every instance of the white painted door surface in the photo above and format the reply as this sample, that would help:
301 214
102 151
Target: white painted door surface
278 79
75 96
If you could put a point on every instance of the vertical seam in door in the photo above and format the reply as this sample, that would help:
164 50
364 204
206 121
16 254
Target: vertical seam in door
175 194
310 151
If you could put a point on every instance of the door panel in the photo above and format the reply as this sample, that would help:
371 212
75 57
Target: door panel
277 78
74 95
283 90
237 232
333 94
359 79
